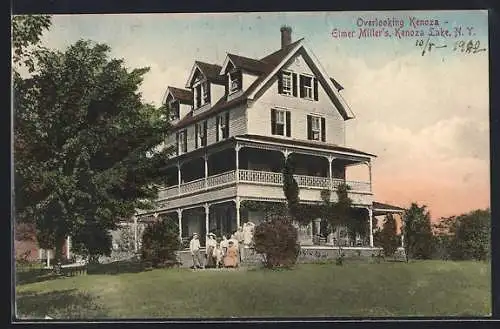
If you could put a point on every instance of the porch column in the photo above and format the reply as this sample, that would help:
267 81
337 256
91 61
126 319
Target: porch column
237 165
179 217
370 215
179 177
330 174
369 164
207 218
68 247
40 253
48 257
136 236
237 203
205 157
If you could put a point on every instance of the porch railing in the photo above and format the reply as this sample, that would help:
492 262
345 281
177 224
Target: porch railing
221 179
255 176
260 176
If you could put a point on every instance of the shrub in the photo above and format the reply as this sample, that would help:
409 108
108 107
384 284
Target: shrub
471 236
160 241
276 239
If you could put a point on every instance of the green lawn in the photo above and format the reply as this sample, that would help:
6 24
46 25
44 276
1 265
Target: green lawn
422 288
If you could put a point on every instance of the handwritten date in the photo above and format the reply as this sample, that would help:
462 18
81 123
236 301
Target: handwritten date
462 46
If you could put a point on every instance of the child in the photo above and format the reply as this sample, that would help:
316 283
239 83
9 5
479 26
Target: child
218 255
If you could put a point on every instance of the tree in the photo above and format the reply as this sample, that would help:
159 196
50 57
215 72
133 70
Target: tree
160 241
389 239
86 147
27 31
291 190
418 238
470 238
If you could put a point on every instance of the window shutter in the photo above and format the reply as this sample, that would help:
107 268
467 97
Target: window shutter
323 130
226 134
294 84
315 81
301 85
217 125
273 121
288 124
227 84
240 80
209 92
280 82
177 144
196 134
205 137
309 127
185 140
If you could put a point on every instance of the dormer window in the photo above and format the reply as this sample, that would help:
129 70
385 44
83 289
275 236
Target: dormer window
235 81
174 109
201 94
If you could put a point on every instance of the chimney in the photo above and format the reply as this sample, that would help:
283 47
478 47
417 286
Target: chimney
286 36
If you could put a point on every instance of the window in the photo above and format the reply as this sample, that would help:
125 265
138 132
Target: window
316 128
181 142
280 122
222 126
235 81
287 83
308 87
201 93
173 107
201 134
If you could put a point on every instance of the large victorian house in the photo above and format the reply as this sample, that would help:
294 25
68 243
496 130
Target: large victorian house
234 126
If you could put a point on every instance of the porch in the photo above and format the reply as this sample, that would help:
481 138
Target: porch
254 168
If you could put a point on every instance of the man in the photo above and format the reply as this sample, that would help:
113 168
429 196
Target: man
194 248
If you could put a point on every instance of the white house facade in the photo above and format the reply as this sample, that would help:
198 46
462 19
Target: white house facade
236 123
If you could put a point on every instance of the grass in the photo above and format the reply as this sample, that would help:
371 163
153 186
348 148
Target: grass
423 288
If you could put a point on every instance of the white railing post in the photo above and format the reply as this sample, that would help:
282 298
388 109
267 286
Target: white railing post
237 203
179 177
179 218
207 217
237 159
370 215
136 245
205 157
330 174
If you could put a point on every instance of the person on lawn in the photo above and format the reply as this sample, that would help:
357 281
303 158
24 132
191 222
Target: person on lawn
217 254
209 251
231 258
224 245
194 248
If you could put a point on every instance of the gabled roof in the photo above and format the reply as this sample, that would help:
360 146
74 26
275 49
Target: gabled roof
248 64
210 71
182 95
382 208
269 66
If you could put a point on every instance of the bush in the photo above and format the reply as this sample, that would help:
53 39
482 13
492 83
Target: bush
160 241
276 239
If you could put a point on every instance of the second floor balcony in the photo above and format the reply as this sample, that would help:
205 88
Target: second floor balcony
252 169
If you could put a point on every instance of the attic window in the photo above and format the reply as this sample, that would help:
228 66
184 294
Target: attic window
308 87
235 81
287 83
173 107
201 94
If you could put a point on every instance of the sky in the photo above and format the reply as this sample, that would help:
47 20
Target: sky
426 117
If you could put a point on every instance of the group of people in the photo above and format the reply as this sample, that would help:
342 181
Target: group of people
227 253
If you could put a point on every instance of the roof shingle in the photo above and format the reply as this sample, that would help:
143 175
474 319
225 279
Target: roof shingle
183 95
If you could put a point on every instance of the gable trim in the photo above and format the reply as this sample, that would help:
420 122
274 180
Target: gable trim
345 110
193 72
226 63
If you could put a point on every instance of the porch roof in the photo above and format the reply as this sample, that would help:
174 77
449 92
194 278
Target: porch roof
299 143
380 208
